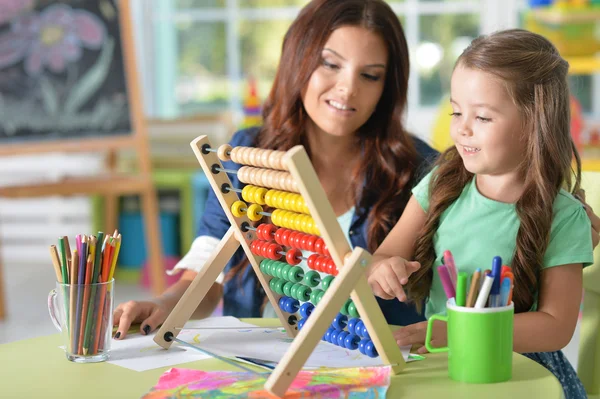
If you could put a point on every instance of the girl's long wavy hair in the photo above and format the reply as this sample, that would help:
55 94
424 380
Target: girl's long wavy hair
535 77
389 160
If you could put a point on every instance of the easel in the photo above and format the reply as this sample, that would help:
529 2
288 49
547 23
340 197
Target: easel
110 185
350 280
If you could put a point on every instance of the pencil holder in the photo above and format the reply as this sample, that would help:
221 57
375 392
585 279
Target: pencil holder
83 315
480 342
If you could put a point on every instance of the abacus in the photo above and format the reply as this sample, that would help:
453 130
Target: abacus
303 219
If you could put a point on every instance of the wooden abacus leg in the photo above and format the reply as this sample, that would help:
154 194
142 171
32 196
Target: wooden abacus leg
198 288
318 322
153 239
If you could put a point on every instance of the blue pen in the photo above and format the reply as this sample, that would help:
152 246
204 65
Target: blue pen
497 275
504 291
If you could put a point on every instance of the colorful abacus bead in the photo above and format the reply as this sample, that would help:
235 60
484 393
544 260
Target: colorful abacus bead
306 309
352 311
326 282
351 341
370 349
341 338
333 336
312 278
361 345
295 274
301 323
293 256
254 212
238 208
352 325
327 336
339 321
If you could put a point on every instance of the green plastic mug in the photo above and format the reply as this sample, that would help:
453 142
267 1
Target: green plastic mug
480 343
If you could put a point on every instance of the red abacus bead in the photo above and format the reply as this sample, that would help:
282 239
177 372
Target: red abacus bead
285 237
272 251
331 268
298 240
293 256
319 263
259 231
311 261
253 247
310 243
292 239
326 251
260 248
269 231
278 236
319 244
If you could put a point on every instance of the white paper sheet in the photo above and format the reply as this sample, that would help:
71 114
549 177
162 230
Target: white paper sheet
140 352
271 344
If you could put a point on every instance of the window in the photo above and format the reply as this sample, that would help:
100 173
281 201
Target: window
203 51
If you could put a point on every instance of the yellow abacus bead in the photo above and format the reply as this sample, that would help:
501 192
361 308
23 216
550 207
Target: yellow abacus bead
246 193
269 195
238 209
276 217
254 212
281 200
285 219
305 221
316 230
287 201
259 195
298 222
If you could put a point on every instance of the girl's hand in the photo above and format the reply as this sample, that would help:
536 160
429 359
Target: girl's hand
149 314
387 277
415 334
593 217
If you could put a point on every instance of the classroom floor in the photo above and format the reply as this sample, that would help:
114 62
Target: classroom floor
27 290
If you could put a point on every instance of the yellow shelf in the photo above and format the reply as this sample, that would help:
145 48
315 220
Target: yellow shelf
583 65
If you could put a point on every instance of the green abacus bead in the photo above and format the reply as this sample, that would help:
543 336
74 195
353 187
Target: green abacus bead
344 309
279 286
352 310
295 274
276 268
303 293
285 270
314 295
326 282
287 288
294 290
319 297
272 284
263 266
269 267
312 278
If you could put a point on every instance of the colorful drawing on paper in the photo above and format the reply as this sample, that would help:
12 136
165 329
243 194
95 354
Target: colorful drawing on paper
355 383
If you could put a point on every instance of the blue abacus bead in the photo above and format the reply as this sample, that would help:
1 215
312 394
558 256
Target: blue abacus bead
306 309
333 336
301 323
341 338
370 349
351 341
361 345
327 335
340 321
352 325
358 328
291 305
282 303
365 332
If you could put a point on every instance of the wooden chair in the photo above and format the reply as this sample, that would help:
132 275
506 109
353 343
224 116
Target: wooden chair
588 367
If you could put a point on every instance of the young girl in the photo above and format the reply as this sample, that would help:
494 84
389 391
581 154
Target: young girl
503 189
340 90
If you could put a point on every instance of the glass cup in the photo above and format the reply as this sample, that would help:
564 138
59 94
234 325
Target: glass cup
83 315
480 343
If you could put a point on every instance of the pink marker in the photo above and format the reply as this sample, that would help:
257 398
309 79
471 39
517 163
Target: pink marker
446 282
449 262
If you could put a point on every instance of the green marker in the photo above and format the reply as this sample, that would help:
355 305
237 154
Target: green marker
461 289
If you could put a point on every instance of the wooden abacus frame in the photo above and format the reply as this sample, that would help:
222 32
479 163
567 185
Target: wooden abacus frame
351 279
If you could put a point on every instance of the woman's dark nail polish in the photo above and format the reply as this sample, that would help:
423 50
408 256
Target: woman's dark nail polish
118 334
146 329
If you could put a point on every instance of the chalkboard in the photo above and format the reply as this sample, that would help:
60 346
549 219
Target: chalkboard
62 72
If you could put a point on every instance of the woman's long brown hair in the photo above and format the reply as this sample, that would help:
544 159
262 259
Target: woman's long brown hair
535 77
389 160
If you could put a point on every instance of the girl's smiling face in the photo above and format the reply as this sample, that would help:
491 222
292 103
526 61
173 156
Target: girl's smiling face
343 92
487 126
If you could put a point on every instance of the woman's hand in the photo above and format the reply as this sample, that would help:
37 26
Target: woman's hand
414 334
593 218
150 314
387 277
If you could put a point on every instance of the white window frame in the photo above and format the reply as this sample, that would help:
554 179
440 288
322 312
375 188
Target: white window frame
157 32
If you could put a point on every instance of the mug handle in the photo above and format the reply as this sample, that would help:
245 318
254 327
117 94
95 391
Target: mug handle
52 309
429 330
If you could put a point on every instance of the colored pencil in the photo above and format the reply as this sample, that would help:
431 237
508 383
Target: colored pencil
85 304
73 300
56 263
474 289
